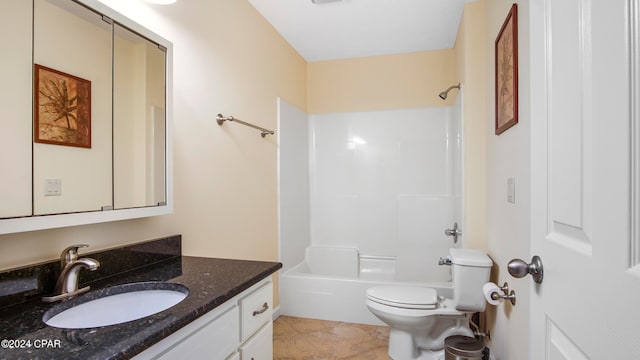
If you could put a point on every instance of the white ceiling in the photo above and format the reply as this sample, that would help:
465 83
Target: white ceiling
356 28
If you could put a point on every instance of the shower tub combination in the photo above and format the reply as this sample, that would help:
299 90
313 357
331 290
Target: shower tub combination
331 284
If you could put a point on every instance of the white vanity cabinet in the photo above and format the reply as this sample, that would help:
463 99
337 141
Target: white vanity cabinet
239 329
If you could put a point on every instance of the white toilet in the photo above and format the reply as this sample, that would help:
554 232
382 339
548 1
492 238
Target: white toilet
420 320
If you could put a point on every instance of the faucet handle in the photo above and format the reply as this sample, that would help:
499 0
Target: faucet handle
71 253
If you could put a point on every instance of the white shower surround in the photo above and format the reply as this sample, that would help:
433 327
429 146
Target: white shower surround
385 183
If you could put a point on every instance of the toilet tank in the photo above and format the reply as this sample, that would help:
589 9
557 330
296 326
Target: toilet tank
470 271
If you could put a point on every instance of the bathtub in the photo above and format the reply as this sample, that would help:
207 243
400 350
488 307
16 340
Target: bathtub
331 284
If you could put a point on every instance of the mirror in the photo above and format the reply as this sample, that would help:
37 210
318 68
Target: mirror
88 128
139 103
72 147
15 147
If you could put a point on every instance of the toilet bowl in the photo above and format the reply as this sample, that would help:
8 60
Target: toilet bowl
420 320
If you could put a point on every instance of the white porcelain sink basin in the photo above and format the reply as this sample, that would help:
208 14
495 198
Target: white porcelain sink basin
115 305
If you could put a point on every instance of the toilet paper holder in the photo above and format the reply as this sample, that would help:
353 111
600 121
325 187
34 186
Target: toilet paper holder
508 295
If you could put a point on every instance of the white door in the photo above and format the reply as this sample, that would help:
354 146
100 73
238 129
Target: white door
584 55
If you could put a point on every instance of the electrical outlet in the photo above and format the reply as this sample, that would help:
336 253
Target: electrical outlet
52 187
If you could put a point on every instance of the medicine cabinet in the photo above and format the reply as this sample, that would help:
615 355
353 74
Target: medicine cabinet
86 120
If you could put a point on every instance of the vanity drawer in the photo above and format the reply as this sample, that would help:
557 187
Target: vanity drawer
256 309
260 346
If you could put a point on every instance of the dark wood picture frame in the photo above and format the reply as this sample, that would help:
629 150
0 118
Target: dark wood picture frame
506 73
62 108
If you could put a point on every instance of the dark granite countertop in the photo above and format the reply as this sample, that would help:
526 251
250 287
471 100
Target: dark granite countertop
211 282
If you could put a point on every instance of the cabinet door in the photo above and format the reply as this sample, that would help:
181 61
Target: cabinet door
215 340
72 150
139 106
260 346
16 74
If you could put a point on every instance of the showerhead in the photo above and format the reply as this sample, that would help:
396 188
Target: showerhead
443 95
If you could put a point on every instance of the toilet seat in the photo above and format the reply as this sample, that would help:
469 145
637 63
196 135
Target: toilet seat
406 297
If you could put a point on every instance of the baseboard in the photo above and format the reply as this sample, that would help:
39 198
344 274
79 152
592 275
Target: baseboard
276 313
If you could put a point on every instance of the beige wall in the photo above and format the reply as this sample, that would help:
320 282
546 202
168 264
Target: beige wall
470 52
505 225
399 81
227 59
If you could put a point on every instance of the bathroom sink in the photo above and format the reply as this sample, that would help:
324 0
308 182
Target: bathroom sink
115 305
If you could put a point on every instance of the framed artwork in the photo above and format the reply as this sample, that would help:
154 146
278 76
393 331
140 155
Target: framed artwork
506 72
62 108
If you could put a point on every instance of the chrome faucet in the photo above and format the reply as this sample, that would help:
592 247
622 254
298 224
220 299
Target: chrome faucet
67 284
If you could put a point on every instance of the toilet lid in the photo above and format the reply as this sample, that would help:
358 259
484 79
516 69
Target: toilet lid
410 297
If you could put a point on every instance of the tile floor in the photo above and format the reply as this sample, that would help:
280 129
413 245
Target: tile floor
308 339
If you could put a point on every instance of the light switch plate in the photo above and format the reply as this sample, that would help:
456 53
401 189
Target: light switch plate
511 190
52 187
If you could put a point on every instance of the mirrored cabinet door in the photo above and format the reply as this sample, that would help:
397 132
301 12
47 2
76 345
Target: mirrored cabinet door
72 150
139 120
15 102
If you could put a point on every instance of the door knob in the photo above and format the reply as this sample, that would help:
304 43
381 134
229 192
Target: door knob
519 268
